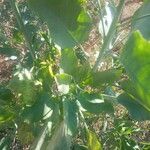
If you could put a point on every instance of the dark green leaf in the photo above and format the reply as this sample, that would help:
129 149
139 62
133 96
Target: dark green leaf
67 21
5 143
60 139
137 110
141 20
42 109
104 77
128 144
5 94
93 103
8 51
71 115
129 88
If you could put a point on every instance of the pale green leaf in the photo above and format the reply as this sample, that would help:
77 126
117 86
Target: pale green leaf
92 141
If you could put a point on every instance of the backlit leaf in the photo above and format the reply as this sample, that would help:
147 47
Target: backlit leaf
93 142
69 62
135 59
68 22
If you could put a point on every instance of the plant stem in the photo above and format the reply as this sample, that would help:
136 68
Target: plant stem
101 18
109 36
22 27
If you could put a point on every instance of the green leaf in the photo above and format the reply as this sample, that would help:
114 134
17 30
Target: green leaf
5 94
67 21
8 51
25 88
82 74
141 20
45 75
5 143
63 81
136 109
129 88
104 77
40 141
135 59
71 116
5 114
92 141
60 139
41 110
79 147
94 103
63 78
129 144
69 61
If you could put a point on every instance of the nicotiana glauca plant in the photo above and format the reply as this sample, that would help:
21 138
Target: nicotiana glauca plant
55 87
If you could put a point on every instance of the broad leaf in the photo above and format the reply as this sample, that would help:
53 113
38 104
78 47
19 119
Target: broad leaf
79 147
5 143
63 78
67 21
92 141
45 75
8 51
5 94
82 75
94 103
39 142
69 62
129 144
135 58
104 77
63 81
42 109
71 116
60 139
136 109
22 84
141 20
25 89
129 88
6 114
